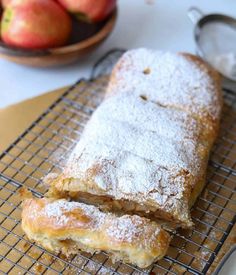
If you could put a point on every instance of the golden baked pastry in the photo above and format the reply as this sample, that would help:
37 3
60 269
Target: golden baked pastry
67 227
146 147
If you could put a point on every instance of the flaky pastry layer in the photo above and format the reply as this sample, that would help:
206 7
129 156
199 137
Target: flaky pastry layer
67 227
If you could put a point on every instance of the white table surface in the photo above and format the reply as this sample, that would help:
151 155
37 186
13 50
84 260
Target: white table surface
162 25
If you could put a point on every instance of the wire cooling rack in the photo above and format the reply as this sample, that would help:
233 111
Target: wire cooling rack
45 145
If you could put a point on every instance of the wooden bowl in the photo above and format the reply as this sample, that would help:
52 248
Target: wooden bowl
84 38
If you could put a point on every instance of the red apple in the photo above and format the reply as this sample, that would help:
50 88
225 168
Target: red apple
35 24
92 10
5 3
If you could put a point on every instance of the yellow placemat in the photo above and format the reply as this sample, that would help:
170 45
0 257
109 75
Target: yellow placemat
16 118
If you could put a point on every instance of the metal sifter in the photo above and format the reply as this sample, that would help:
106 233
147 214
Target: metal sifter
215 37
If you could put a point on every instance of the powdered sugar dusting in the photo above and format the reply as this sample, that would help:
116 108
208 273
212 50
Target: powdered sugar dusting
124 229
138 145
129 152
173 81
60 210
130 229
127 123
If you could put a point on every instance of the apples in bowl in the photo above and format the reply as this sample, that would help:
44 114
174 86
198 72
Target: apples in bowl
48 32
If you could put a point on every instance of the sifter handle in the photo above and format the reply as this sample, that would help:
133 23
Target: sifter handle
195 14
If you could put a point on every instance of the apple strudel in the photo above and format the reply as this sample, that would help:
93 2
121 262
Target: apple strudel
146 147
67 227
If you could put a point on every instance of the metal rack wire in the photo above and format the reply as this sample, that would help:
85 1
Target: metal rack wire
44 146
